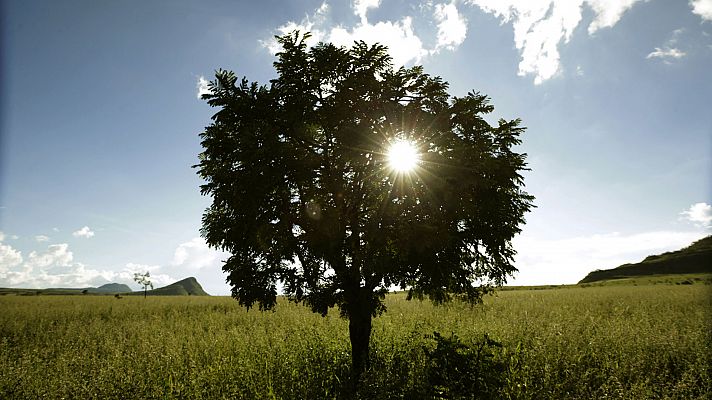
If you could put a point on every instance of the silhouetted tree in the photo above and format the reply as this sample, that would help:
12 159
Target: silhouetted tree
303 194
143 280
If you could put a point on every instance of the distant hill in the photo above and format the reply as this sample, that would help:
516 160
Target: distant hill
185 287
110 288
693 259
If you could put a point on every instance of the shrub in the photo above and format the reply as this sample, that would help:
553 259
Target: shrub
458 370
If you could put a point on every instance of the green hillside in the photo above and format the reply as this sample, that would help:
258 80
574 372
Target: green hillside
185 287
693 259
110 288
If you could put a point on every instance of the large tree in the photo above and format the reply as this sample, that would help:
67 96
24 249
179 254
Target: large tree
304 195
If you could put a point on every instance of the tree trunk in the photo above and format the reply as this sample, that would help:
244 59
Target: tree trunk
360 332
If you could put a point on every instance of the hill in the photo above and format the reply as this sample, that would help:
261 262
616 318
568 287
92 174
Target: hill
110 288
693 259
185 287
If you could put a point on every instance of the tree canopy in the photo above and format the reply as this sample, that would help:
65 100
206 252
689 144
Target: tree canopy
303 195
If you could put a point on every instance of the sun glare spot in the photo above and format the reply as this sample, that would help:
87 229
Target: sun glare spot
403 156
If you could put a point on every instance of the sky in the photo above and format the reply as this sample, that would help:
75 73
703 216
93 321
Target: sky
100 116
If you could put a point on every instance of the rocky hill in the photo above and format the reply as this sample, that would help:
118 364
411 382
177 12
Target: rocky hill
185 287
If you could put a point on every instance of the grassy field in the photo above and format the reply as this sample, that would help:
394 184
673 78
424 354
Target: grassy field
628 342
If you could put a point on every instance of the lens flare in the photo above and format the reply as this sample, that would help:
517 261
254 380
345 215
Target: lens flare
403 156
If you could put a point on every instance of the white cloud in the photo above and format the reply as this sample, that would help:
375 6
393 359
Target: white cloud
452 26
703 8
55 255
202 87
541 26
42 238
85 232
47 268
196 254
9 258
669 52
666 53
564 261
75 275
158 278
316 25
404 45
55 267
699 214
608 12
4 236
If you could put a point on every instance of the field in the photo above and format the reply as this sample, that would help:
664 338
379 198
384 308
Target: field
628 342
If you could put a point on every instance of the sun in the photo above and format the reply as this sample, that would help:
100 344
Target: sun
403 156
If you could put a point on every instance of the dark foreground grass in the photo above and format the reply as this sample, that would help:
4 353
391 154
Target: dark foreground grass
634 342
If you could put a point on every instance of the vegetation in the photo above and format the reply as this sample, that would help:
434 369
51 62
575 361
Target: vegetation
694 259
615 342
143 280
303 193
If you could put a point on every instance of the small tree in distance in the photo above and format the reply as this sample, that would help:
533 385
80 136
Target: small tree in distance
143 280
304 194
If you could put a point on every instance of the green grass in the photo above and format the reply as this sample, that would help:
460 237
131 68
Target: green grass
629 342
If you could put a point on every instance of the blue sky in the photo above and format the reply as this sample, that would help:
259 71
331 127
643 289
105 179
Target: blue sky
100 116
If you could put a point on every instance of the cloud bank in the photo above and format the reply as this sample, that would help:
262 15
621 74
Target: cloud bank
55 266
540 28
51 267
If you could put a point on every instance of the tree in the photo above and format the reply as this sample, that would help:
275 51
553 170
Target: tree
143 280
303 195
